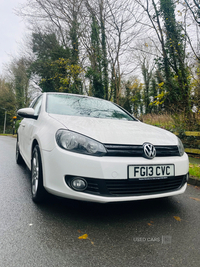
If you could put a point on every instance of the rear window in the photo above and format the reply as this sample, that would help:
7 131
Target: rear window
73 105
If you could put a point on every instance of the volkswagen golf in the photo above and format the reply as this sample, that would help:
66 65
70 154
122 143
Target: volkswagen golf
91 149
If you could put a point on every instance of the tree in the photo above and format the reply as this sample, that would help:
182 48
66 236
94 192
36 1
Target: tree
7 103
179 93
121 31
194 7
172 61
63 17
195 91
157 93
147 75
20 79
191 13
94 72
104 49
131 98
97 49
54 64
47 50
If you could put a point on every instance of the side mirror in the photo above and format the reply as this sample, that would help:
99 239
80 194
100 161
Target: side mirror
27 113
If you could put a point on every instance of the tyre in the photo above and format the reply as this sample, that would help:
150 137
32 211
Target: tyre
18 155
37 188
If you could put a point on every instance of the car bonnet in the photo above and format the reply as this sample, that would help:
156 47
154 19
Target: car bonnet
113 131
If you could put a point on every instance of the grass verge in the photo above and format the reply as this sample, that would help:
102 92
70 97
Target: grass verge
9 135
194 170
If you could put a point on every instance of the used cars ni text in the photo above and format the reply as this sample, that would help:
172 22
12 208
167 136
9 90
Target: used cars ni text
90 149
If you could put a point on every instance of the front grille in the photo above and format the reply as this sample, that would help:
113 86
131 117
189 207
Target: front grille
138 151
138 187
132 187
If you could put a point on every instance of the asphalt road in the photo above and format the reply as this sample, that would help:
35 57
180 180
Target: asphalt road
162 232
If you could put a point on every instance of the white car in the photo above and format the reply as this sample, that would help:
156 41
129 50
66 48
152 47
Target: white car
90 149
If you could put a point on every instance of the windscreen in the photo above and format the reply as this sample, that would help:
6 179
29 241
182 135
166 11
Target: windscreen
73 105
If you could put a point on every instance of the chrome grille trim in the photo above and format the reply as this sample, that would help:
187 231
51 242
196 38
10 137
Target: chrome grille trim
137 150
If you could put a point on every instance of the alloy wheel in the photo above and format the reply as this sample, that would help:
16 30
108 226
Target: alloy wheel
35 173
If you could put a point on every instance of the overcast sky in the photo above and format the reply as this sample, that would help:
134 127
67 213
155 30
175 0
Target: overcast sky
11 30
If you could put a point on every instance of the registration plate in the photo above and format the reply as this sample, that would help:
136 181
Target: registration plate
150 171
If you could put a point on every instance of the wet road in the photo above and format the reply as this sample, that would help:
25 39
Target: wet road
162 232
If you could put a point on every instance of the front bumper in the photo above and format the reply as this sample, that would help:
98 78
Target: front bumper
108 173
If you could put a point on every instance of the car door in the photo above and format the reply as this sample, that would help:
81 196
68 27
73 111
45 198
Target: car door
29 127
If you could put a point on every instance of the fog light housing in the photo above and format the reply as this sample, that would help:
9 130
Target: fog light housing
79 184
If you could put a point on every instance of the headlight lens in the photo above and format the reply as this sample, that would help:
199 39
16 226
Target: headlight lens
79 143
180 147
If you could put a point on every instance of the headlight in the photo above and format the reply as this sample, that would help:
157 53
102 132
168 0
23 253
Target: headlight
180 147
79 143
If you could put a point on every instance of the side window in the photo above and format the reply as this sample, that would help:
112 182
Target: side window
37 106
33 102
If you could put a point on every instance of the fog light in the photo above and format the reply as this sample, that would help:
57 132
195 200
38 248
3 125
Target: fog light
79 184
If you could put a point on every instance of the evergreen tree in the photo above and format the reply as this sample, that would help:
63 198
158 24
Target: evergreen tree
7 104
21 79
94 72
55 65
73 34
176 71
104 51
147 78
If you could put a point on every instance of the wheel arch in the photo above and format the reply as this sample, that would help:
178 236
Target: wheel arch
35 142
38 194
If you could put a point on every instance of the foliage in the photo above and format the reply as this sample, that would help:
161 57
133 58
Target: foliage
164 121
14 91
65 75
17 124
54 65
7 103
105 77
173 66
147 75
132 99
176 124
195 90
194 170
172 122
94 72
97 72
20 81
86 47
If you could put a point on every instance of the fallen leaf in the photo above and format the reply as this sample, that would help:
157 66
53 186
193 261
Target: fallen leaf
197 199
151 222
79 231
177 218
85 236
